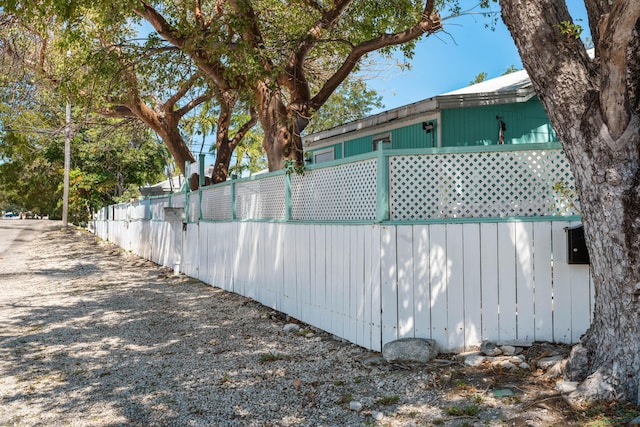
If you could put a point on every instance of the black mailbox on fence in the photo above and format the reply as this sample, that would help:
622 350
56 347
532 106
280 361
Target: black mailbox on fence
576 246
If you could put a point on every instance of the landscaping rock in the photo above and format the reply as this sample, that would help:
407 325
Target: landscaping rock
355 406
548 362
474 360
508 350
490 348
378 416
410 350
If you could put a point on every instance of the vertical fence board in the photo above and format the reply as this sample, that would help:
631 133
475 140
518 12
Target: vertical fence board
358 265
389 284
404 260
525 291
542 273
335 297
376 293
561 285
472 285
507 280
438 278
421 277
455 287
353 285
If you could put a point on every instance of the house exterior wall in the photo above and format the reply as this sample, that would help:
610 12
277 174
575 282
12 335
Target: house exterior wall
526 123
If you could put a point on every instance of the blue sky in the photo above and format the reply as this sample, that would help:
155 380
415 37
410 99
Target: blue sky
450 60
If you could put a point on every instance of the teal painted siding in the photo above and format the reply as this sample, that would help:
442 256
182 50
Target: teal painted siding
413 136
526 123
407 137
357 146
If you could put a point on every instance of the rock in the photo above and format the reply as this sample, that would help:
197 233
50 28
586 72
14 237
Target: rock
566 386
291 327
462 356
635 422
355 406
378 416
525 365
372 361
516 359
474 360
548 362
410 350
489 348
508 350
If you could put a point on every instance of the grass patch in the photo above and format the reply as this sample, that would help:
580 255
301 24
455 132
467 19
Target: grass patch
388 400
269 357
456 411
345 399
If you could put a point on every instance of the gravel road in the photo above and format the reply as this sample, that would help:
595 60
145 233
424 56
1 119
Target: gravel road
93 336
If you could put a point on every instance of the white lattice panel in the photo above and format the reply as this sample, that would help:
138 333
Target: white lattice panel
120 212
157 207
261 198
178 200
478 185
216 203
138 210
339 193
194 207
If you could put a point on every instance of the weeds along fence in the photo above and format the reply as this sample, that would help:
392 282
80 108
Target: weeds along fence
457 245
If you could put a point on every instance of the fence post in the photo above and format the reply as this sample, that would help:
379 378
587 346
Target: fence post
233 200
187 191
287 197
382 183
201 164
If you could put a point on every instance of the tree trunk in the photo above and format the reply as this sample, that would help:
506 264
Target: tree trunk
282 139
224 151
604 156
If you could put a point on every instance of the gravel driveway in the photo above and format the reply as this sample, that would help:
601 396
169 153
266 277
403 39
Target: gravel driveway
93 336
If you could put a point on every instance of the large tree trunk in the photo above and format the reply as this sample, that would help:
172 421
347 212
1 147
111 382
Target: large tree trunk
282 139
600 134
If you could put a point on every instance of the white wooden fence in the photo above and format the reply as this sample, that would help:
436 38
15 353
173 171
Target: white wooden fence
458 283
459 245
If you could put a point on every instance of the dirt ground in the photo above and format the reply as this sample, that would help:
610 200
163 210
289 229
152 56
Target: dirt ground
92 335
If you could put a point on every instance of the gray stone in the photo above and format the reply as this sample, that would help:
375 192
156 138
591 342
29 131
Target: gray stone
548 362
635 422
566 386
525 365
508 350
489 348
291 327
355 406
410 350
378 416
474 360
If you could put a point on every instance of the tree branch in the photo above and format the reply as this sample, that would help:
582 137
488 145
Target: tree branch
246 127
619 24
428 24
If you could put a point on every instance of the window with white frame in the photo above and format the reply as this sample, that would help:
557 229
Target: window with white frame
324 155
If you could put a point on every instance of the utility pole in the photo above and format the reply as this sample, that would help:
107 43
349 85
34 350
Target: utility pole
67 167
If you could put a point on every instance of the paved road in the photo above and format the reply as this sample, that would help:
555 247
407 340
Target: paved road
16 231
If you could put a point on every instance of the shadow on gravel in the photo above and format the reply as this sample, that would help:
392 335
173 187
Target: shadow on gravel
136 341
